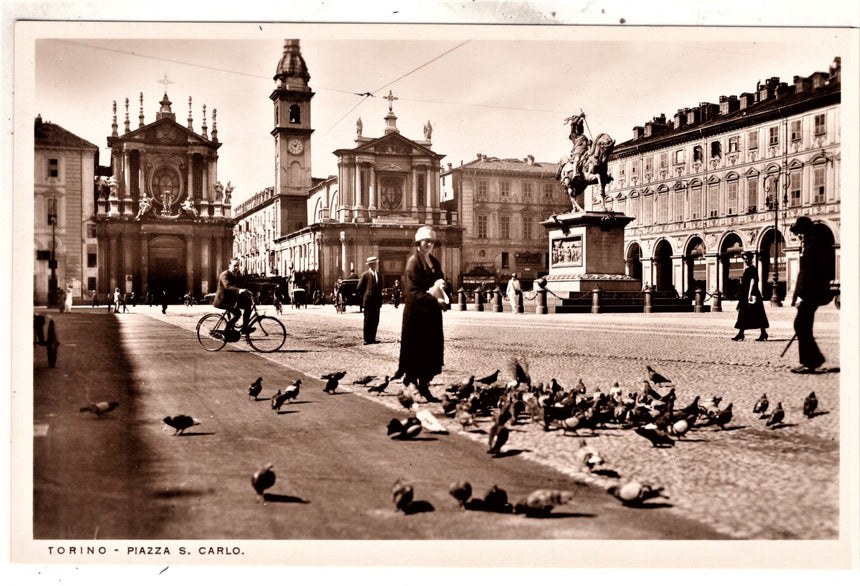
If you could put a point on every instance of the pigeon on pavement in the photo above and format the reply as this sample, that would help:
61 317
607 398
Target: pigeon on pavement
180 423
402 494
810 404
101 407
380 388
761 405
331 385
334 375
655 377
263 479
497 437
541 502
488 379
255 388
655 436
634 494
363 380
776 416
461 490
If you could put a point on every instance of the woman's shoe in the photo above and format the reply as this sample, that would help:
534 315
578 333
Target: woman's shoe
762 337
739 337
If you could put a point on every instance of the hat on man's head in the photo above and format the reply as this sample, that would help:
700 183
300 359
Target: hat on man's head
749 254
425 233
372 259
513 274
801 225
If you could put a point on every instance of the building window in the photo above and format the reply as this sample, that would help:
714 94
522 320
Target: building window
528 222
91 231
662 207
506 261
295 114
795 131
528 192
420 186
52 211
752 194
91 260
649 161
664 160
483 224
53 167
697 154
713 199
731 198
505 227
91 283
820 124
634 209
818 184
773 135
482 189
548 190
647 211
794 189
716 149
752 140
679 205
734 144
696 203
680 157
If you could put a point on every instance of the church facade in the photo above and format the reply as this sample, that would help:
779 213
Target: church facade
163 219
316 231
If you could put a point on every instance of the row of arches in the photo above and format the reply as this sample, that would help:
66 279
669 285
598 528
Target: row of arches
695 267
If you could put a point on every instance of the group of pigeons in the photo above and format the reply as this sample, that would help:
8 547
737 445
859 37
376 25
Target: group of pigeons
651 411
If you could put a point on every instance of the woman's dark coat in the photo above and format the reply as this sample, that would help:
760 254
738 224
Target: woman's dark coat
421 338
751 316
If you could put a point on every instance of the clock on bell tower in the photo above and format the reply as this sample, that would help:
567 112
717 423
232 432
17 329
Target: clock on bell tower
291 99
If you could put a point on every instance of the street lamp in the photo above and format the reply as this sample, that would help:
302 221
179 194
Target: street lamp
773 203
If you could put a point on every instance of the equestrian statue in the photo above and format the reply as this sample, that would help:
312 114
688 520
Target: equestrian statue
587 163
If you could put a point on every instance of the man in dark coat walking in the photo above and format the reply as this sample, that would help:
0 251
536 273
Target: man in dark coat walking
370 289
817 268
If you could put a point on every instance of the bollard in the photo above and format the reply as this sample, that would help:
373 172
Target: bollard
647 308
479 300
520 308
540 308
497 300
595 299
461 299
699 303
52 343
717 304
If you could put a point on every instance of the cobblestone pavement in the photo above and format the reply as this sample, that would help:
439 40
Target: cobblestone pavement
748 481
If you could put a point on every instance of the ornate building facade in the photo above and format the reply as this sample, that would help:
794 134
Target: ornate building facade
720 179
163 218
64 231
316 231
500 203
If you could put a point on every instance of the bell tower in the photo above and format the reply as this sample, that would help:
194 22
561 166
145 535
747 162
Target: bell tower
292 133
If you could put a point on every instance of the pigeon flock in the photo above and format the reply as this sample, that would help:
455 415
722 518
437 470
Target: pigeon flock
488 405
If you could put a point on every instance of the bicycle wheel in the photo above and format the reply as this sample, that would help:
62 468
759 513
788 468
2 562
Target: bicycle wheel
210 332
269 336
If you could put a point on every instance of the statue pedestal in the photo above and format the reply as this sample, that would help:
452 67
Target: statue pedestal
586 250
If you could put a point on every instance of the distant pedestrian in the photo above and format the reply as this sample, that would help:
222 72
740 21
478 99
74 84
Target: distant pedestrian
163 301
396 292
513 292
812 288
149 298
370 289
109 301
751 314
133 299
119 301
95 299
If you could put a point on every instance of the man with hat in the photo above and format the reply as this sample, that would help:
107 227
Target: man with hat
513 291
817 268
370 289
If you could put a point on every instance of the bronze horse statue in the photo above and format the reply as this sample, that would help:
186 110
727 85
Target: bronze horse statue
593 169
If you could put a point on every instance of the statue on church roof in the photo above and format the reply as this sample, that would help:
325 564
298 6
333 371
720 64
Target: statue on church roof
188 208
144 206
112 186
228 192
428 130
219 191
359 127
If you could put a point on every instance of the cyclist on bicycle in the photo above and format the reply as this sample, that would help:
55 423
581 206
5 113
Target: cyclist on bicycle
232 298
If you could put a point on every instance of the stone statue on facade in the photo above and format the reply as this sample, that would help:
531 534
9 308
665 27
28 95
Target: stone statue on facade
186 207
219 191
168 200
228 192
359 127
428 130
587 163
144 206
112 187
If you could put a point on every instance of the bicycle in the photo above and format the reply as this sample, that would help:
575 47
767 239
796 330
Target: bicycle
213 333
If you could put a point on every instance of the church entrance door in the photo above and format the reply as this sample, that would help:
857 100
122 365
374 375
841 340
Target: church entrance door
167 271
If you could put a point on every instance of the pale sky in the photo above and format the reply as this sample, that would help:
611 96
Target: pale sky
498 90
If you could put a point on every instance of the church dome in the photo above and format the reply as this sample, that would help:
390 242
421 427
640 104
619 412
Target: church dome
292 67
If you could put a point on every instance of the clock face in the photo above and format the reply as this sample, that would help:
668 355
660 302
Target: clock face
296 146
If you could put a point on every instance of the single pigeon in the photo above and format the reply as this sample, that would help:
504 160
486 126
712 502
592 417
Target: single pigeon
101 407
497 437
488 379
331 385
429 422
255 388
634 494
810 404
402 494
655 377
180 423
334 375
776 416
461 490
541 502
263 479
380 388
401 429
655 436
761 405
363 380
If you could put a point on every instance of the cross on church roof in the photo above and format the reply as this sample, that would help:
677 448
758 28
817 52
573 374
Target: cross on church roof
165 82
390 97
